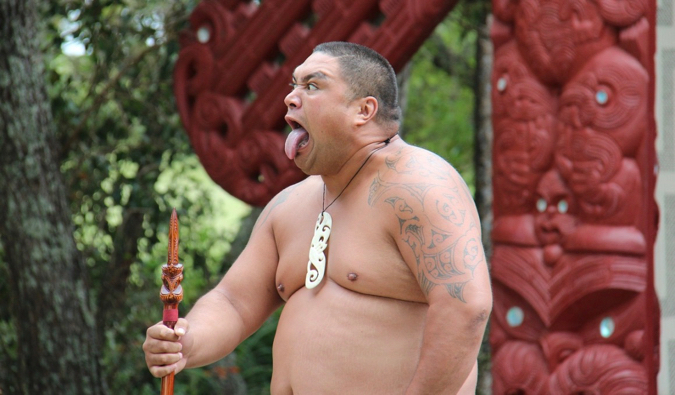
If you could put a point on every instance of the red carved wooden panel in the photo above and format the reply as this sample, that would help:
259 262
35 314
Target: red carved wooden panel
574 212
235 65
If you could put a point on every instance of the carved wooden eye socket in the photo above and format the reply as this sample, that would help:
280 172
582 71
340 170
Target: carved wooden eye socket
541 205
606 327
203 34
563 206
501 84
515 316
601 96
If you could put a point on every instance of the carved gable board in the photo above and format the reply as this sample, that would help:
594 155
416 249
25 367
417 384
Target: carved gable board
236 62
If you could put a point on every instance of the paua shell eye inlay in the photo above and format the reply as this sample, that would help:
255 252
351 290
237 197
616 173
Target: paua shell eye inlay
203 34
501 84
606 327
601 97
515 316
563 206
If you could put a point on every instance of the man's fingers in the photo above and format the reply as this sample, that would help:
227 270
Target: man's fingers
163 360
163 332
163 349
154 346
161 371
162 364
181 327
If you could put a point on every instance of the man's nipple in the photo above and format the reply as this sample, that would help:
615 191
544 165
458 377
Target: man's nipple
352 276
281 287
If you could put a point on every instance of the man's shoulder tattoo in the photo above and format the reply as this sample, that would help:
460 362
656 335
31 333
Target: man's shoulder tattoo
431 207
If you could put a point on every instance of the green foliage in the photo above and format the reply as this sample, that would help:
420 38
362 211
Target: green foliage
126 162
254 356
439 114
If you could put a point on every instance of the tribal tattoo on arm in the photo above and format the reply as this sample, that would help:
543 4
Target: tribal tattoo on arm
435 220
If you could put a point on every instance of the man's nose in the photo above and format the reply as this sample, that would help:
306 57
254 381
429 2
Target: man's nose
292 100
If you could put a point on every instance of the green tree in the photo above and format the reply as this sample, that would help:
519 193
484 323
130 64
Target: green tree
117 153
439 113
55 338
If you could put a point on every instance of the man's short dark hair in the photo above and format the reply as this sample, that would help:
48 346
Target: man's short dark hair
367 73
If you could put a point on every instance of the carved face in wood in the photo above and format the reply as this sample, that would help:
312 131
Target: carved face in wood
601 128
557 36
556 209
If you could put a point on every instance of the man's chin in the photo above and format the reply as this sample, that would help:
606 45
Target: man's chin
300 161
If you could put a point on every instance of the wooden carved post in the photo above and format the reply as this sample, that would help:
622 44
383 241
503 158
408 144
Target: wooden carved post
574 211
171 292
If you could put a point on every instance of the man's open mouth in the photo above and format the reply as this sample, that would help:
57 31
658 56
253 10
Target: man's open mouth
296 140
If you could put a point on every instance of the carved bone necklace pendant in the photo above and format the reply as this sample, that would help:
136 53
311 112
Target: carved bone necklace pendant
316 267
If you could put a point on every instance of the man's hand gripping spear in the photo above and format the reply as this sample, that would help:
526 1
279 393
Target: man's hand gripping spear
171 292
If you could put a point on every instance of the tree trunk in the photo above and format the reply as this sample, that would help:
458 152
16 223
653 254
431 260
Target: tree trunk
113 284
57 347
483 166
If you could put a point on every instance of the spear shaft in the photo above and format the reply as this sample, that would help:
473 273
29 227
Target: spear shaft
171 292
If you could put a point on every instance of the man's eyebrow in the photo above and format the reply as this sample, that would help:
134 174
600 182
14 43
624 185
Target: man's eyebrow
318 75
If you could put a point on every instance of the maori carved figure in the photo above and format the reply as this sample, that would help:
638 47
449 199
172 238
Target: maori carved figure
235 65
556 216
555 36
171 292
524 132
573 181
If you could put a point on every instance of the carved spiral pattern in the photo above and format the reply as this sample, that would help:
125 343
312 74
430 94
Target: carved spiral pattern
236 61
600 369
316 267
569 265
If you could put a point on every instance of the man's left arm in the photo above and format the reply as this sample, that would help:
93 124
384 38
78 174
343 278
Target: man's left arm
438 234
452 337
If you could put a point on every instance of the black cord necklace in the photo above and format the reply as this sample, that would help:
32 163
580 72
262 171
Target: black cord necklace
316 267
324 207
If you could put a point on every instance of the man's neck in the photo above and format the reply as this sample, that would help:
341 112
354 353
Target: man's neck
355 167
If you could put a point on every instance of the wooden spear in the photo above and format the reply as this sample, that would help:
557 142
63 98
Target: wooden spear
171 292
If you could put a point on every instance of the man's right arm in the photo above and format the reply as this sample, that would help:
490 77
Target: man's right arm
227 314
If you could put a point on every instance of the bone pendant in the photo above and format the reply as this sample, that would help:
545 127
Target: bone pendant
316 267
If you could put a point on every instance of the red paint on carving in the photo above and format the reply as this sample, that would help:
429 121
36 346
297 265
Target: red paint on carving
236 62
572 93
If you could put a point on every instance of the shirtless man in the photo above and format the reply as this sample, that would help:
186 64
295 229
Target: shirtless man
405 296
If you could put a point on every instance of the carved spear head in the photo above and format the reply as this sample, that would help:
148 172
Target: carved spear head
172 271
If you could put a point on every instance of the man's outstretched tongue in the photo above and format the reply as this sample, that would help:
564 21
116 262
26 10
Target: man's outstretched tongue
294 139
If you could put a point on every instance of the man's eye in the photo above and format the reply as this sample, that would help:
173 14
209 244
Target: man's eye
293 85
311 87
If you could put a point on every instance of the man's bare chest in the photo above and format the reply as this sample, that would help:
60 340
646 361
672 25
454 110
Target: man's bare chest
360 256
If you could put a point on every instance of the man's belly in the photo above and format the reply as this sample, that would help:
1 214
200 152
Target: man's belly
334 341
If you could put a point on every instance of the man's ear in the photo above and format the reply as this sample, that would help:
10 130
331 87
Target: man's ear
368 107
